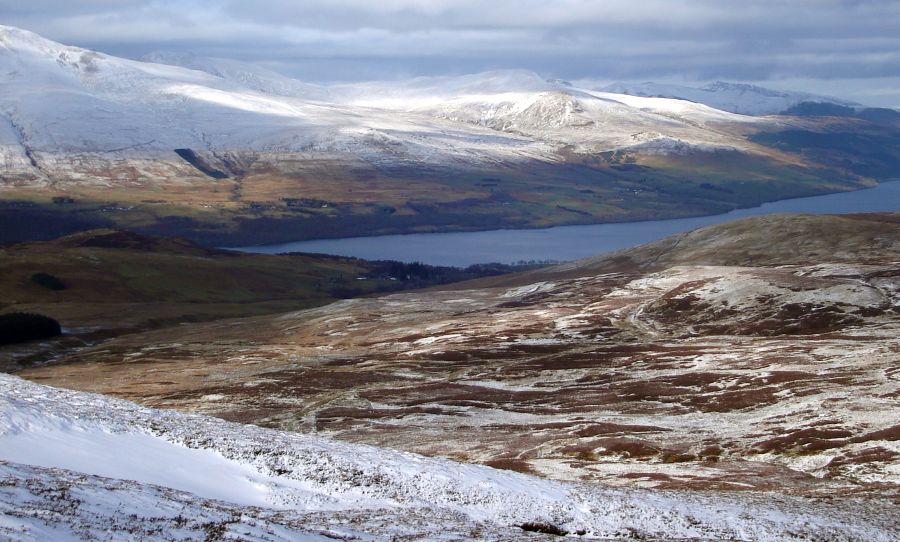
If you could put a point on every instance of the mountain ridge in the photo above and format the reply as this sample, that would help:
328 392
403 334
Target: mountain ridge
769 240
739 98
222 153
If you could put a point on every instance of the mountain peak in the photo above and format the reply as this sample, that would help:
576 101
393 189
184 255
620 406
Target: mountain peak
19 39
14 32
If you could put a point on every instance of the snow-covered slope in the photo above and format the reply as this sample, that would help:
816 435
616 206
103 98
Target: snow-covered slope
81 466
428 91
110 113
521 102
110 108
734 97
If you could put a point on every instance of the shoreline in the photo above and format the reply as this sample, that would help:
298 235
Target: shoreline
646 230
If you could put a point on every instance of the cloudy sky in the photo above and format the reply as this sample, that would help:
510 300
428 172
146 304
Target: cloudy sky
845 48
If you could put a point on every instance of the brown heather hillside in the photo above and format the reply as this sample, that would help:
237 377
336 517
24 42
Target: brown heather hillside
673 373
103 283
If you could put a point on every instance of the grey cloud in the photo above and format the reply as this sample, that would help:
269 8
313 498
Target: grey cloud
817 41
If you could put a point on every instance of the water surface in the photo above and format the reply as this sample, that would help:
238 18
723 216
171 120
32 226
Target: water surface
569 242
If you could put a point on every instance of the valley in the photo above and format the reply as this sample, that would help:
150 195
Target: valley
756 355
734 377
567 243
103 283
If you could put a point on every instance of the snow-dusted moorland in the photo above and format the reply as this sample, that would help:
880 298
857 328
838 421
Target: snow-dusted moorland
82 466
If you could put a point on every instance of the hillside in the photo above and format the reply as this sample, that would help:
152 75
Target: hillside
696 371
769 240
86 467
102 283
227 153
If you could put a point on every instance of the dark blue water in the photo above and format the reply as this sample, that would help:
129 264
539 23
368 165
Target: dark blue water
569 242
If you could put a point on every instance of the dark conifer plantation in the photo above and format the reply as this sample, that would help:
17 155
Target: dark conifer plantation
20 327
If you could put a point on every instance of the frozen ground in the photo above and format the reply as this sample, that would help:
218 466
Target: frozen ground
85 467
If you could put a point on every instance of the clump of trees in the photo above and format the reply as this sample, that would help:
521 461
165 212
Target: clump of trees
418 275
48 281
18 327
405 276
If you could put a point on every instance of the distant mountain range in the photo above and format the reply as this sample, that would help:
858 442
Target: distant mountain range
734 97
182 143
126 108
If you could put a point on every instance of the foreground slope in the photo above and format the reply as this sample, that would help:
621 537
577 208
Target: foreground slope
85 467
227 153
697 372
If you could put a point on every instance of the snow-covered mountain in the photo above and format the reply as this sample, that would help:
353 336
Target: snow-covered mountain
72 113
109 108
521 102
226 144
734 97
76 466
